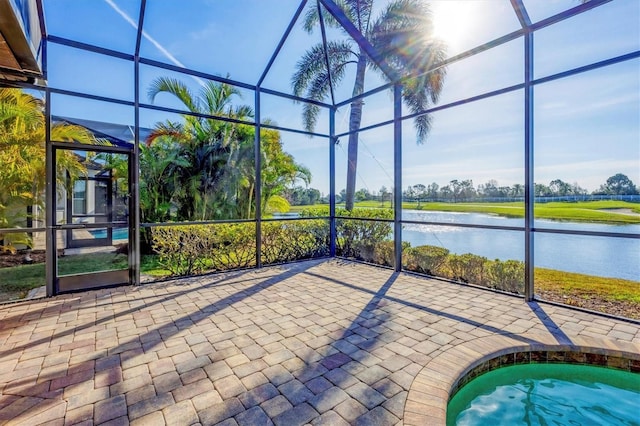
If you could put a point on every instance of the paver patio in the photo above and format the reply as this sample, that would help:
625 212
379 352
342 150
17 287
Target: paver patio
321 342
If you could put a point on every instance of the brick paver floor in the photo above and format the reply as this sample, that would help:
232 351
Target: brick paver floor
321 342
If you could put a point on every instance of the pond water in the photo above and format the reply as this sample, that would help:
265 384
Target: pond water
599 256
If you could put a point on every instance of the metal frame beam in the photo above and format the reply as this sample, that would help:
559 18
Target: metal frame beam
327 63
332 182
529 190
397 175
284 38
360 39
134 163
51 257
258 179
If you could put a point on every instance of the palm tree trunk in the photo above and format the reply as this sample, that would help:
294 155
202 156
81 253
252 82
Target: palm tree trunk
355 119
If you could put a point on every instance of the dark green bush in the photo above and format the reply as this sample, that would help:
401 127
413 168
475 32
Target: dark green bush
192 249
506 275
234 246
294 240
380 253
355 236
426 259
468 268
183 250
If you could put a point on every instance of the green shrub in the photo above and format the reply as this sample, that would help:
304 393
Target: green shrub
182 250
192 249
427 259
468 268
380 253
507 275
234 245
294 240
357 238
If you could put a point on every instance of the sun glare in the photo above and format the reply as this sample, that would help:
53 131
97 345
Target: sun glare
452 21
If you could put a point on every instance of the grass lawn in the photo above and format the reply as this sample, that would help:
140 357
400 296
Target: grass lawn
21 279
579 285
610 212
611 295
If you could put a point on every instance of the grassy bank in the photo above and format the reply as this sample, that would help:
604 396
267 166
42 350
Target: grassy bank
610 295
587 286
610 212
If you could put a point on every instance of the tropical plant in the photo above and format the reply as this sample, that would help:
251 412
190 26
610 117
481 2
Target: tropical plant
211 148
158 180
212 161
402 34
279 169
22 155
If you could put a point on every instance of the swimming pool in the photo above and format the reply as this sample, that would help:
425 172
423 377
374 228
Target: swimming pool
548 394
118 233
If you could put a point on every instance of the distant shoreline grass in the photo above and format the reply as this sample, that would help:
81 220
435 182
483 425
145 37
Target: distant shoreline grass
571 283
584 211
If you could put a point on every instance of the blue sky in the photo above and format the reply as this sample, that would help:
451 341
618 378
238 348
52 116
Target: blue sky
587 127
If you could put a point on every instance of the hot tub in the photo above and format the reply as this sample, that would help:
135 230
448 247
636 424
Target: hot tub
548 394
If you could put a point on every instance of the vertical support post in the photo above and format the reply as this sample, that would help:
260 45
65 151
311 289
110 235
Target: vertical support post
50 200
134 203
529 187
258 188
332 182
134 189
134 164
397 175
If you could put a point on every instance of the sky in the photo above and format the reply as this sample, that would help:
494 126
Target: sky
586 127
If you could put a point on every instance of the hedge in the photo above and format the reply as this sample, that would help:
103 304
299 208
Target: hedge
192 249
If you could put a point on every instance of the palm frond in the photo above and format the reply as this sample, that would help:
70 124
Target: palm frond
403 34
418 95
311 17
360 13
169 129
63 132
307 67
313 63
218 96
312 79
176 88
242 112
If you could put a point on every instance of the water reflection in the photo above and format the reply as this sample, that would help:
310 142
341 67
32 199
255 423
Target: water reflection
599 256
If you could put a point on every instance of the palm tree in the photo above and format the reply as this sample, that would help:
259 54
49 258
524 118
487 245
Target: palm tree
215 162
208 146
22 155
402 34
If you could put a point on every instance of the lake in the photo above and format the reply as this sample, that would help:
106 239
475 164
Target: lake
600 256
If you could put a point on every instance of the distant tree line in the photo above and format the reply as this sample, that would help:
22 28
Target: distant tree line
301 196
464 190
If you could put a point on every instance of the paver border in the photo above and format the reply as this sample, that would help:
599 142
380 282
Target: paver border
441 377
